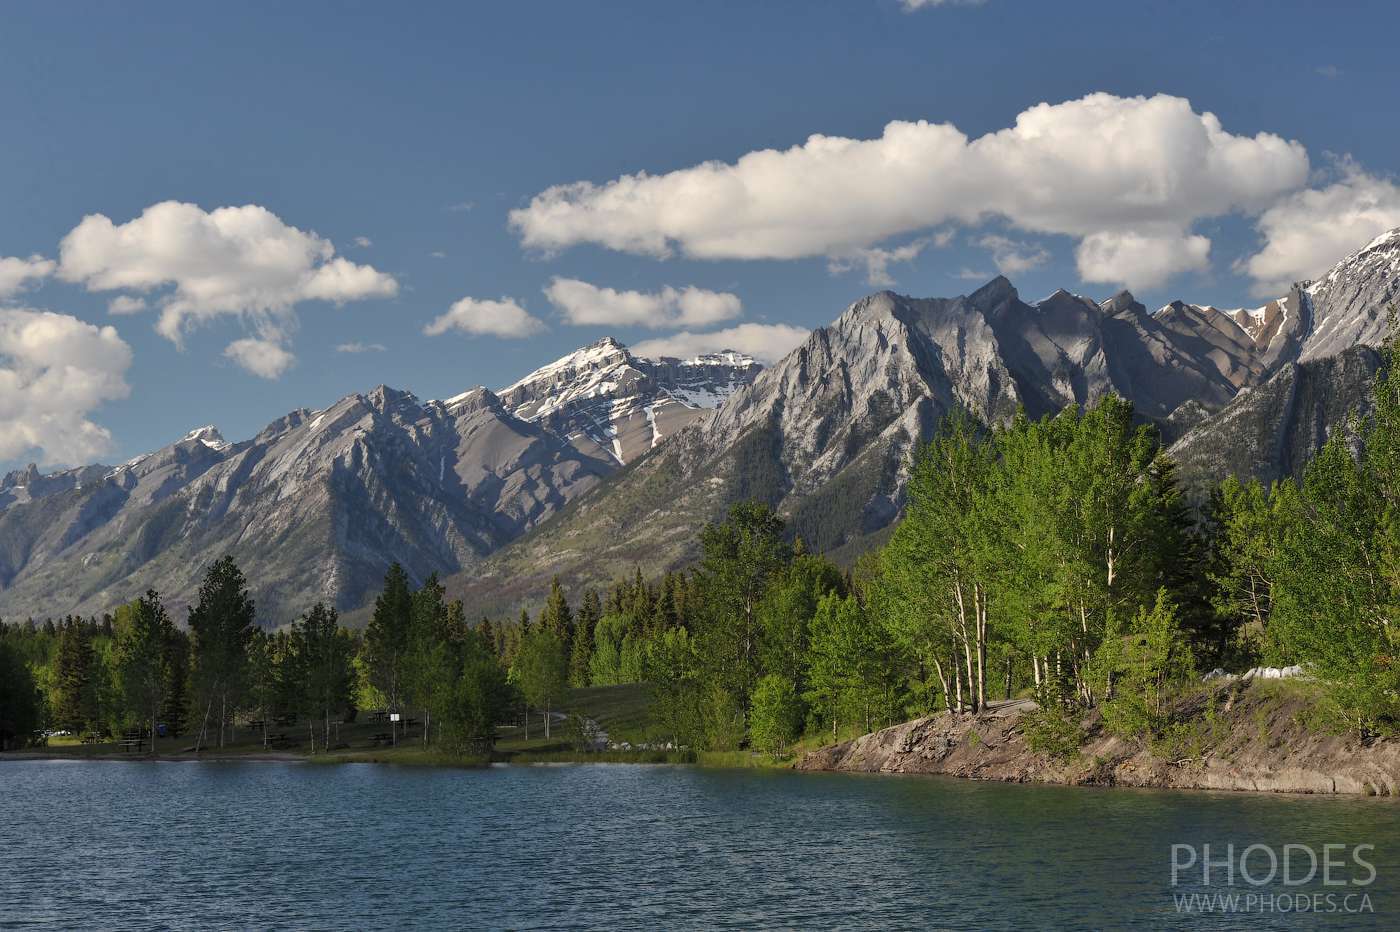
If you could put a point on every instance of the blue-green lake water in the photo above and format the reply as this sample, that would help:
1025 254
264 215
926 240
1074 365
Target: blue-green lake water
264 845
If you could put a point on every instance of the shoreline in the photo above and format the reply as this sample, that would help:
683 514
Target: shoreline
1254 744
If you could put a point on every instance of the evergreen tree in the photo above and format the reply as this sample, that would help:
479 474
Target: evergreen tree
143 646
74 695
221 625
581 650
175 712
739 556
386 638
325 652
556 617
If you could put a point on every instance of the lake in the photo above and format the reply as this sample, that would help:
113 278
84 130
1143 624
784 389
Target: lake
269 845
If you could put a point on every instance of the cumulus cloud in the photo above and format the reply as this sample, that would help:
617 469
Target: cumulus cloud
1102 167
364 242
17 274
585 304
1140 260
361 348
54 371
265 358
1309 232
238 261
1012 257
765 342
503 318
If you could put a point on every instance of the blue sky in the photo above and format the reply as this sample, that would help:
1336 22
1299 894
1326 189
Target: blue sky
420 128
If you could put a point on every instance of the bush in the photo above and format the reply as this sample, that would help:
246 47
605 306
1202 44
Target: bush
1052 732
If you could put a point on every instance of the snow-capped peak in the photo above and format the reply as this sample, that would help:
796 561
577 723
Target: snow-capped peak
209 436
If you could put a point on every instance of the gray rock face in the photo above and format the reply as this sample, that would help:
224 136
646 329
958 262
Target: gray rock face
320 502
1350 305
1270 431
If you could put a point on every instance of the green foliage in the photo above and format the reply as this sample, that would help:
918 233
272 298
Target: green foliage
386 637
541 670
739 557
777 715
144 633
1141 667
20 702
221 625
1052 731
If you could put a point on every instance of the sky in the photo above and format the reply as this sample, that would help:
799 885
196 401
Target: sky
219 214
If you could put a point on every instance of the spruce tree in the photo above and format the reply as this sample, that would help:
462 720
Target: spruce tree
221 625
386 638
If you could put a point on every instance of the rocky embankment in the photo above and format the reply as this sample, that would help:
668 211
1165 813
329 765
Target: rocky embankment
1237 736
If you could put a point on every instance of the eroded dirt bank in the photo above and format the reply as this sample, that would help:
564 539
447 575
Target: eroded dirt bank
1255 737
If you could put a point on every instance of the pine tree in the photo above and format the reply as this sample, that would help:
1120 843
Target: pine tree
74 699
325 653
175 712
386 638
221 625
143 639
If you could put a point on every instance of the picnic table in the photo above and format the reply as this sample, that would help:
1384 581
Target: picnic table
133 742
382 737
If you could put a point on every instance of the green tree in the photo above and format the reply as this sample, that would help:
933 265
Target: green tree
739 557
20 703
144 632
776 720
386 639
74 701
541 671
581 650
325 653
1140 668
221 625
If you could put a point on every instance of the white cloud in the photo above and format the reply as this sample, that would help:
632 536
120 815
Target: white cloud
877 261
765 342
238 261
1140 260
264 358
972 275
54 371
911 6
361 348
16 274
1013 257
437 254
585 304
364 242
503 318
1101 166
461 206
1309 232
126 304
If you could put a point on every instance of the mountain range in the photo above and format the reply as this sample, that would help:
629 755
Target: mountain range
603 461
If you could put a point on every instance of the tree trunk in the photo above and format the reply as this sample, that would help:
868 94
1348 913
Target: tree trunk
546 721
943 682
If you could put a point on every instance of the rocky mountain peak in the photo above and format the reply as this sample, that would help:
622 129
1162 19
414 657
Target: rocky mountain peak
1123 303
996 291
